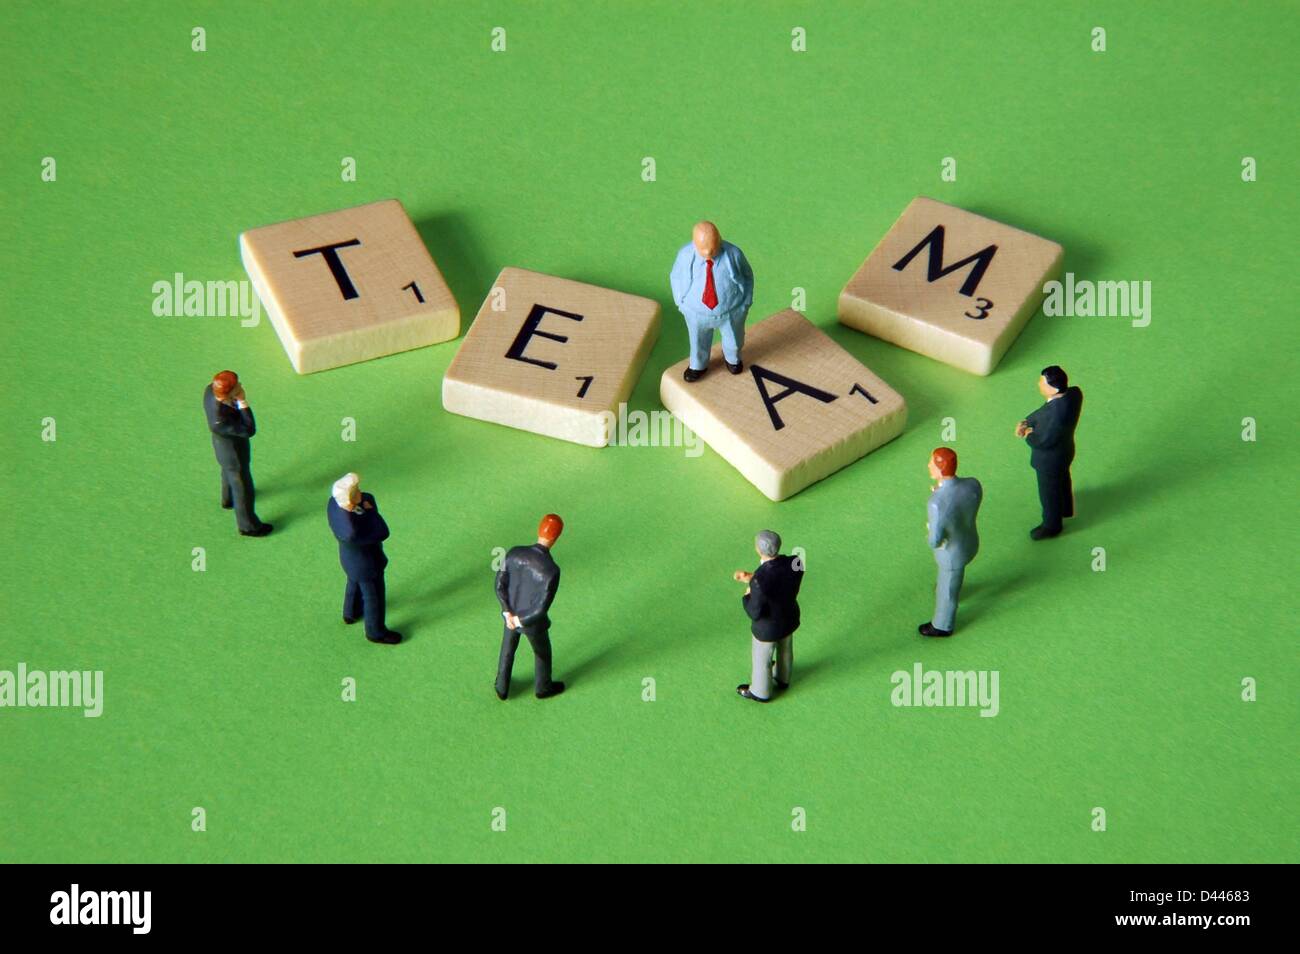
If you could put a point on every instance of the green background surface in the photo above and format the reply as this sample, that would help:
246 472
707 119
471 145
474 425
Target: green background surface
1119 689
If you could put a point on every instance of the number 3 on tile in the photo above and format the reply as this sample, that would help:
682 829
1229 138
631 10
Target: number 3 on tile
984 306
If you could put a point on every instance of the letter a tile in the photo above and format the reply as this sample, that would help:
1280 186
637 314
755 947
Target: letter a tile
551 356
802 409
950 284
349 286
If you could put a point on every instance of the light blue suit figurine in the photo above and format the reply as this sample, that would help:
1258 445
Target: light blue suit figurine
952 510
713 287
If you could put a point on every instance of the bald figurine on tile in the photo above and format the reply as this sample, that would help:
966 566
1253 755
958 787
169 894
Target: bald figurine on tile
713 287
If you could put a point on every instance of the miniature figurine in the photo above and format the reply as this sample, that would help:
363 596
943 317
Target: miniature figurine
954 505
230 420
361 533
526 585
1049 432
713 287
770 601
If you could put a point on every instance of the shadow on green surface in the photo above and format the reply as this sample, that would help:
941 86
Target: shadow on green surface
450 240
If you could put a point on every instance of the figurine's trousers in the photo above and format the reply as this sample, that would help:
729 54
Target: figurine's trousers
1056 495
760 680
366 598
540 640
237 492
700 329
946 592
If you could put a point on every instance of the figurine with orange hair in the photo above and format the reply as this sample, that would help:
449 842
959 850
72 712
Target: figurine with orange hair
954 505
230 420
525 587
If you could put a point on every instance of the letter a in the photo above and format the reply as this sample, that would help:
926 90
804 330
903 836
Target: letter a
790 385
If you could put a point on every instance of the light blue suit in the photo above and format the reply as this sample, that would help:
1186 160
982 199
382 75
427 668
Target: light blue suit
733 281
953 506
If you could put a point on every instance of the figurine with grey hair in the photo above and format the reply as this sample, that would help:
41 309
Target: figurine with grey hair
771 600
713 287
361 533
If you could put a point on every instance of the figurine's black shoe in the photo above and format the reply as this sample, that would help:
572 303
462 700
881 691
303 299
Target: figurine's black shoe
503 696
348 620
690 375
735 368
261 530
388 637
925 629
743 691
227 506
1042 533
555 689
780 684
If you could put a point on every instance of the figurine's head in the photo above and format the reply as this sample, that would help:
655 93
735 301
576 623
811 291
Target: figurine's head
943 463
347 491
224 384
1052 382
549 530
768 544
707 239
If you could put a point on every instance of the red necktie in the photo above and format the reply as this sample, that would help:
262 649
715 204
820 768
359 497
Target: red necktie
710 298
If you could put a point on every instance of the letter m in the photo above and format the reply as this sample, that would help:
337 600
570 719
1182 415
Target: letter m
934 266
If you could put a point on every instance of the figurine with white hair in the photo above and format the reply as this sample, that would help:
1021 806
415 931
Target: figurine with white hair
713 287
361 532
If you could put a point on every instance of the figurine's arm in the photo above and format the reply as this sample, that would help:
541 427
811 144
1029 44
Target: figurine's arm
552 585
1044 433
342 523
680 277
745 275
368 526
502 587
754 601
242 426
938 534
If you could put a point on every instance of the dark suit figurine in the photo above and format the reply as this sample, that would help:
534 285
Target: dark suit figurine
1049 432
361 533
771 602
230 420
525 586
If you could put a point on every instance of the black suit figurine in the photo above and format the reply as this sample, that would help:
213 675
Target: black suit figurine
525 588
361 533
1049 432
771 602
230 420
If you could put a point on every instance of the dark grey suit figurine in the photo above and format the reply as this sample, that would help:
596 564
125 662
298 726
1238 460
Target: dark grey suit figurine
771 602
230 420
1049 432
525 586
361 533
951 533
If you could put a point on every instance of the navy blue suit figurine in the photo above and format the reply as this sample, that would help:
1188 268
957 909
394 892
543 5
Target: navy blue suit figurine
361 533
230 420
525 587
1049 432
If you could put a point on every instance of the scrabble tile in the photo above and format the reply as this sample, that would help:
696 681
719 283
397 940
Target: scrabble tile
551 356
349 286
950 284
802 408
